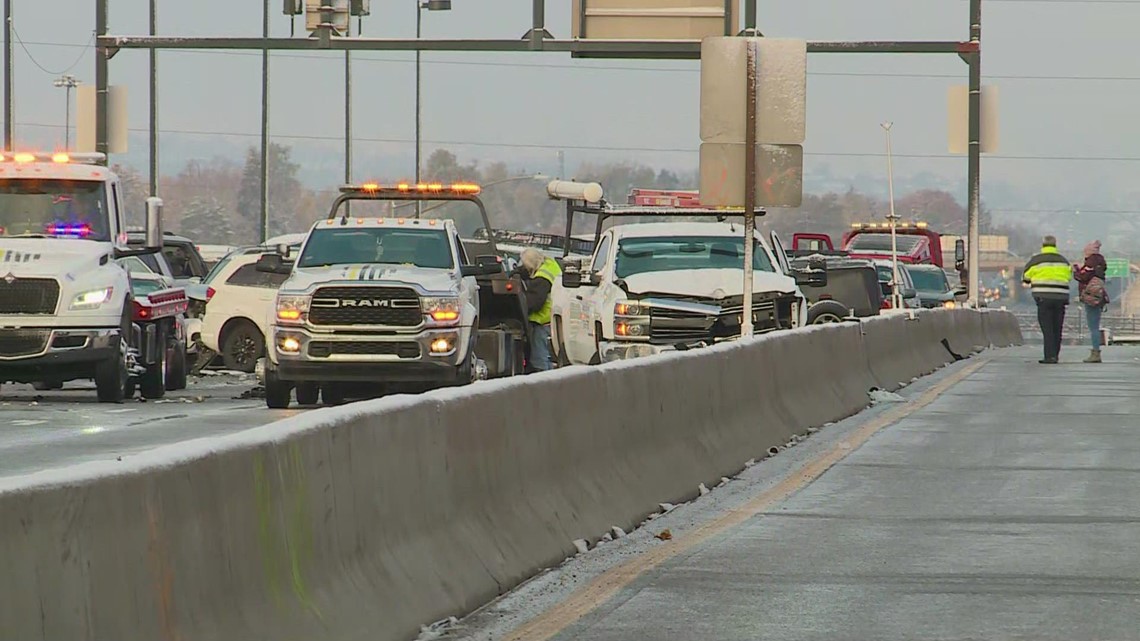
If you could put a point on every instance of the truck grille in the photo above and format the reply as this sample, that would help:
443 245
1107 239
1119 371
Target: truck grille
383 306
402 349
15 343
29 296
668 326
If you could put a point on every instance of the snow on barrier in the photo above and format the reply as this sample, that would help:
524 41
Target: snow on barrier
366 521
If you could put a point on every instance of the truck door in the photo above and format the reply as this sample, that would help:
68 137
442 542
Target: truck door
781 255
584 306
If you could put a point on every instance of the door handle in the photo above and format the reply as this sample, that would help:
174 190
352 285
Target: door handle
579 298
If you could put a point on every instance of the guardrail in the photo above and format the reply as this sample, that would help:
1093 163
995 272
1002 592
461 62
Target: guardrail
369 520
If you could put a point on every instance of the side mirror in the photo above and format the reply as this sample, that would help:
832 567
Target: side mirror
272 264
959 251
283 250
815 275
571 279
154 235
909 293
194 280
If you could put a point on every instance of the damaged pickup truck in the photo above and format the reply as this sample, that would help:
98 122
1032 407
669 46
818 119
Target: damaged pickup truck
658 286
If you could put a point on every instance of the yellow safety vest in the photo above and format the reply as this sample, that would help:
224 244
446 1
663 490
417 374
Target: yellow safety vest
1048 275
548 271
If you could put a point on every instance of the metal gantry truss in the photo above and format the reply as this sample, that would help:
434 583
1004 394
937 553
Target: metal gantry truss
537 39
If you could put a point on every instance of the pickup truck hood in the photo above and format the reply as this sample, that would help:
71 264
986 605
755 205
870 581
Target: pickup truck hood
50 257
433 280
707 283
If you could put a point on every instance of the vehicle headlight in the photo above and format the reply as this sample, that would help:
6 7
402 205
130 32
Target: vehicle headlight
949 304
441 308
627 308
92 299
292 309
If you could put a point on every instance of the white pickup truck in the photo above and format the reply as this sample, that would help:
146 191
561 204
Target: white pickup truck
67 310
651 287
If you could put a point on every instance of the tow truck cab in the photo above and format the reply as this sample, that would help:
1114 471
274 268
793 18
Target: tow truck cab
391 302
66 305
917 244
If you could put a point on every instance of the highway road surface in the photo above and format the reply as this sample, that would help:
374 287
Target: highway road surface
44 430
1001 502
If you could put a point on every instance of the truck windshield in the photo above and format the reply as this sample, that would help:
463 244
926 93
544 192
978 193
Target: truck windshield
641 255
53 208
882 243
929 280
376 245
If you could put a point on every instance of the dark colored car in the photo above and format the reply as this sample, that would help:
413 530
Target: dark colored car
933 286
186 264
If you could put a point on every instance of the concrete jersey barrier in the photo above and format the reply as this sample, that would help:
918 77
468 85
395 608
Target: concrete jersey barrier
366 521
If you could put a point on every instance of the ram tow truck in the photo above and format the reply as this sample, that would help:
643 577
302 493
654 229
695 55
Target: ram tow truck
67 310
376 304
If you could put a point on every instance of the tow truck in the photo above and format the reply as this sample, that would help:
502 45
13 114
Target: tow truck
391 302
67 310
662 286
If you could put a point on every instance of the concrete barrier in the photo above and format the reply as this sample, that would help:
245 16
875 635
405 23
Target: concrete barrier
366 521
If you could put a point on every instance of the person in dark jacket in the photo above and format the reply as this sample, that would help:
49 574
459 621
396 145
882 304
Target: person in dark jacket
1094 267
1048 275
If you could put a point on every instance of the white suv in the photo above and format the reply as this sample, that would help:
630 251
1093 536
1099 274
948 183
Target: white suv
242 300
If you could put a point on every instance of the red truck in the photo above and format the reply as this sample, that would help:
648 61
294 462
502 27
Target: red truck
917 244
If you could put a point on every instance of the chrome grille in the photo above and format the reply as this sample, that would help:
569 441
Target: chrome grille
28 296
404 309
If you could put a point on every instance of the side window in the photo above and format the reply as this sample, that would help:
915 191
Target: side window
602 256
248 276
462 251
180 262
116 206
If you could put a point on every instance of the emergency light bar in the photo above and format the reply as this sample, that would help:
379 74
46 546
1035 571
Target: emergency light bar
59 157
665 197
468 189
887 226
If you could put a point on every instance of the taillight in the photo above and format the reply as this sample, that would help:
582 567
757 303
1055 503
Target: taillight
209 293
138 312
886 303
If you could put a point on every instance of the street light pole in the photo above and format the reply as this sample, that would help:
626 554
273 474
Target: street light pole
419 115
68 82
896 298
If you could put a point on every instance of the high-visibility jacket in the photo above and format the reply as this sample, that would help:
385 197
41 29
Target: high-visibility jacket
1048 275
549 270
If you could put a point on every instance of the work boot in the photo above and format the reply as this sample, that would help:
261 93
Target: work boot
1094 356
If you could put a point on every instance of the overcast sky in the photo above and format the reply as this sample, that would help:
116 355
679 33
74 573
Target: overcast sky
1067 71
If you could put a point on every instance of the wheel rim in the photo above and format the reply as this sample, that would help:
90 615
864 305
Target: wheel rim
823 319
243 351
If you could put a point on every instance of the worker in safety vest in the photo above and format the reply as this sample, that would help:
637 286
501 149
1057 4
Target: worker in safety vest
1048 275
540 272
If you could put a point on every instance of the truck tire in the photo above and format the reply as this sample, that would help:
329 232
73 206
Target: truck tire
560 358
111 376
333 394
242 345
152 384
276 391
47 386
308 393
827 311
176 367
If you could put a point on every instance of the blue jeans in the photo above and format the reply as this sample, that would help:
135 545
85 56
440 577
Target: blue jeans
540 356
1093 315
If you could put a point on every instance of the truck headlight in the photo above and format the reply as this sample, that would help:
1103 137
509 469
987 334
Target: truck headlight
630 308
292 309
441 308
92 299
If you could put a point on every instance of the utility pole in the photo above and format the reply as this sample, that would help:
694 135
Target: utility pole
67 82
746 327
153 102
896 298
102 79
9 111
264 213
974 166
419 113
348 118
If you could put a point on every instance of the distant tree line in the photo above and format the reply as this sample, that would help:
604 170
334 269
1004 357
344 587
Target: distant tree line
218 201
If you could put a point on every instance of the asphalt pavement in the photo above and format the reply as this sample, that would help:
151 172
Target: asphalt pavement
1006 508
46 430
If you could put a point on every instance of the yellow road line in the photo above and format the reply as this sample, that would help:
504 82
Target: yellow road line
601 589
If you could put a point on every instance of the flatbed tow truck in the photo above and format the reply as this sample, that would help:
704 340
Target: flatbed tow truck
379 304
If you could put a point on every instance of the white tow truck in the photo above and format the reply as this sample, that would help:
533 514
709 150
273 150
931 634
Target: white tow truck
384 302
657 286
67 310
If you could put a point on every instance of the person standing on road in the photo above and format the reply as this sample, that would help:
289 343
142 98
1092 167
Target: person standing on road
540 272
1048 275
1093 295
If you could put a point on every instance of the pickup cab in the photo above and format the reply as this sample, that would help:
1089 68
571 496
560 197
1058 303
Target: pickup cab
653 287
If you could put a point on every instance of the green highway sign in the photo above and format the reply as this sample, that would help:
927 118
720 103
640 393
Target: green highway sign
1117 267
